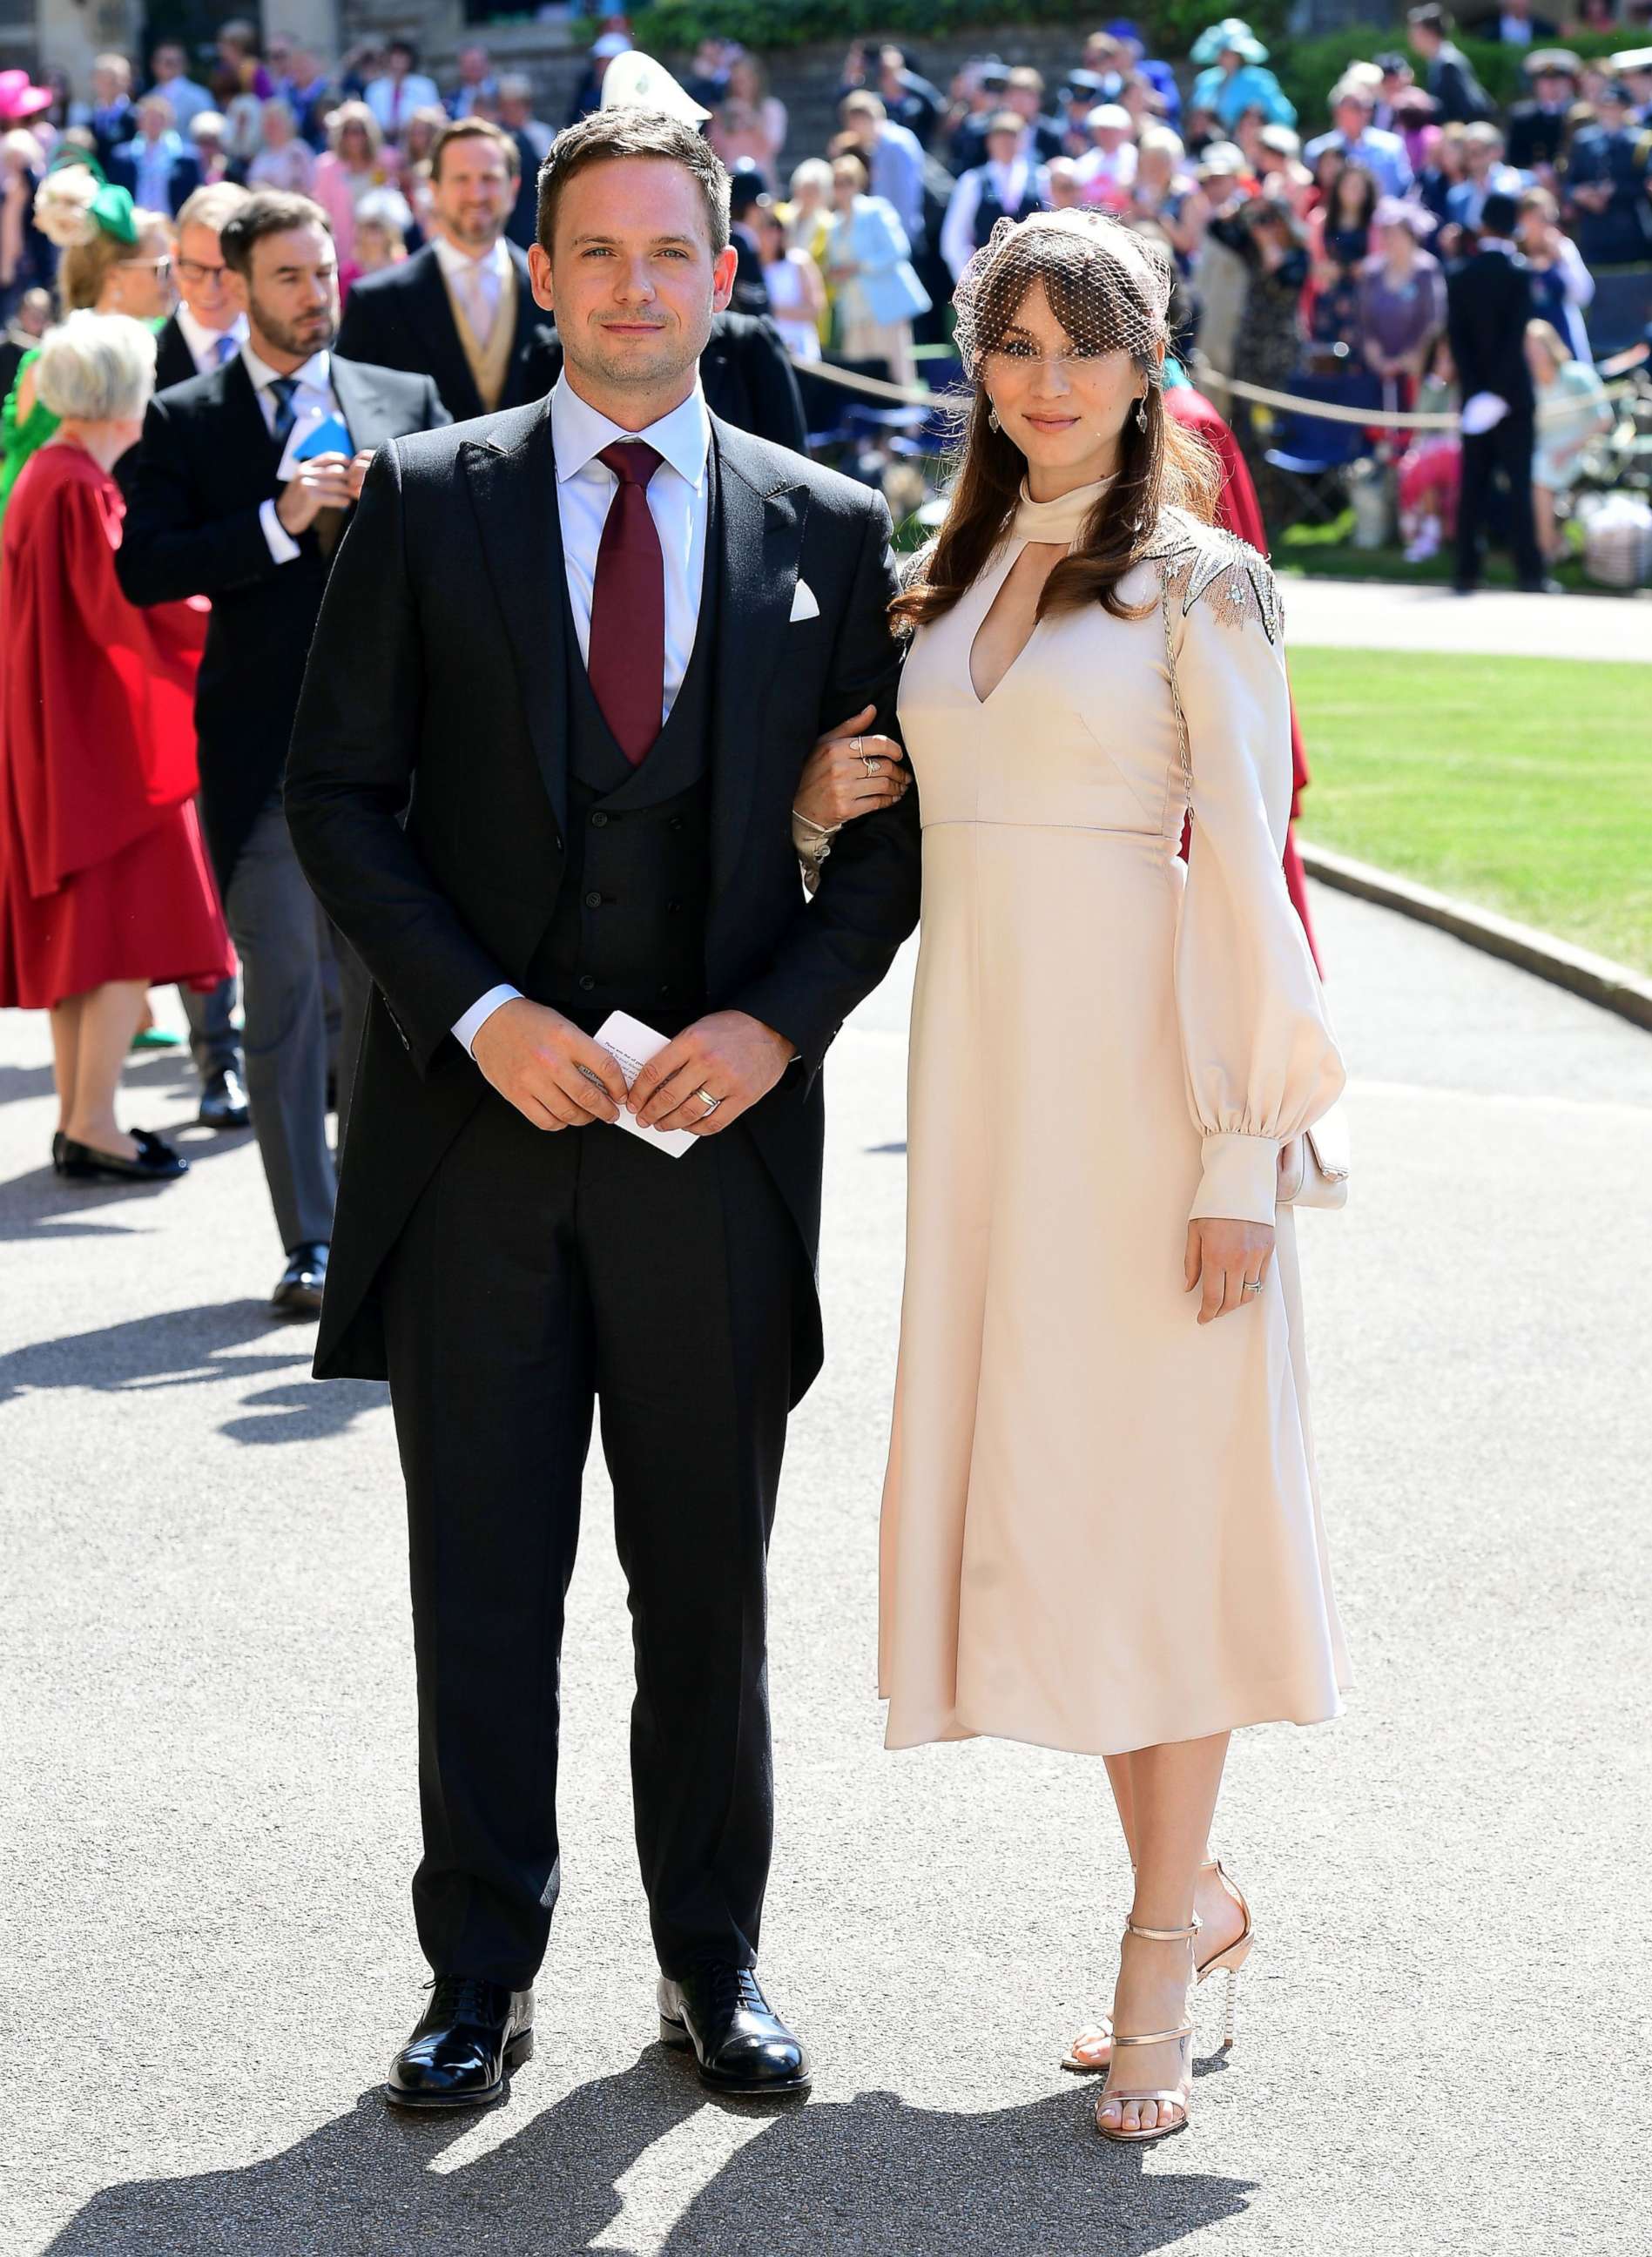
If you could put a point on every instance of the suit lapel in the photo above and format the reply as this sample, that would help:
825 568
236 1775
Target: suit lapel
248 439
433 318
369 423
512 479
760 520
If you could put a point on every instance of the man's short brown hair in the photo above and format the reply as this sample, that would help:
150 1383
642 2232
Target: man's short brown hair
475 129
270 211
607 134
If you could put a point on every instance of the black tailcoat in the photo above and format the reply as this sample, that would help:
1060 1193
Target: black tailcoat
437 684
194 485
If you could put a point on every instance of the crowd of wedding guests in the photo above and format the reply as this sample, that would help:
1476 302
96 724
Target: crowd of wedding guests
224 281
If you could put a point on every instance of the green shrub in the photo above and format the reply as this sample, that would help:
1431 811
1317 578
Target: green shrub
1308 69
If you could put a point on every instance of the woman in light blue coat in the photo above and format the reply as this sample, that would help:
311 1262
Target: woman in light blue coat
1235 80
869 259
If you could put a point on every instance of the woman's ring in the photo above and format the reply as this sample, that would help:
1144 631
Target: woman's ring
1252 1285
705 1097
871 764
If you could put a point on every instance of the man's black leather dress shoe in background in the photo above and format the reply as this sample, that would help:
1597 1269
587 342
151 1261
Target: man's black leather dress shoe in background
741 2043
224 1101
298 1292
472 2036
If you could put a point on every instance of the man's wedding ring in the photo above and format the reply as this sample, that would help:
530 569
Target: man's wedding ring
705 1097
1252 1285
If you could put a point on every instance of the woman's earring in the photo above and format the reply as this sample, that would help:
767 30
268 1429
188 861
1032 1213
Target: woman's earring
1141 413
993 423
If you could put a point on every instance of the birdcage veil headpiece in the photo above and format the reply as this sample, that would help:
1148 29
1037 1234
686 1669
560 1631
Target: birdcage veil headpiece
1107 287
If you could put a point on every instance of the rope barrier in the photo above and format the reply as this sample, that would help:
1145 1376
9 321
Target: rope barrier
1211 380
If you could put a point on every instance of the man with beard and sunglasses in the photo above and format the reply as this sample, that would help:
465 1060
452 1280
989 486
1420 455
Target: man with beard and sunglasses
240 490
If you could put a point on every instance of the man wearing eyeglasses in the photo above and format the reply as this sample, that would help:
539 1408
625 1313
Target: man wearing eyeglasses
207 329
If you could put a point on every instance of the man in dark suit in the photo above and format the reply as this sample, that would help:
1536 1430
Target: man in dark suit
220 505
1447 74
1538 128
157 168
205 330
1488 304
588 644
461 310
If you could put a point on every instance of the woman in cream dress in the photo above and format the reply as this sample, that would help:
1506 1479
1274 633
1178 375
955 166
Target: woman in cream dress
1101 1530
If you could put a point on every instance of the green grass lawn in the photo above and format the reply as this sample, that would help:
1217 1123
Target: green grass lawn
1524 785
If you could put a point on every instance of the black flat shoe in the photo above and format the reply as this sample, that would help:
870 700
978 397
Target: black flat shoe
741 2043
156 1162
472 2036
298 1292
224 1101
57 1152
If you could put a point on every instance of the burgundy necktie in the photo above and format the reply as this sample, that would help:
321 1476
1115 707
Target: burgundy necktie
626 657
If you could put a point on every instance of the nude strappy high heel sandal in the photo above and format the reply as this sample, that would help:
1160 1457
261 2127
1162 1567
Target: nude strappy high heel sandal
1179 2095
1091 2051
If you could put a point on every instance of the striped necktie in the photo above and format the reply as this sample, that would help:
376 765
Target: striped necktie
282 388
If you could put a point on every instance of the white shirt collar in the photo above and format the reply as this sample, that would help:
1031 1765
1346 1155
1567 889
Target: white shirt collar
580 432
453 261
201 341
316 371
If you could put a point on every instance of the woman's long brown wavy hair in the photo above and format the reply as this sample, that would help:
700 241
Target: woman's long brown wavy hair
1164 467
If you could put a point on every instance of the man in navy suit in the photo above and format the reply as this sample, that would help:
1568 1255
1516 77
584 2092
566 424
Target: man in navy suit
1488 304
156 167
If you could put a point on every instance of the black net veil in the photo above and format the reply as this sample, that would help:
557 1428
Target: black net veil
1109 287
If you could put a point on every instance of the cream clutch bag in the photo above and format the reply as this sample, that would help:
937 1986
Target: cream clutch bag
1314 1166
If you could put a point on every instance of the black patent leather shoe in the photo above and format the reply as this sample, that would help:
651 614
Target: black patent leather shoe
57 1152
741 2043
298 1292
224 1101
156 1162
472 2036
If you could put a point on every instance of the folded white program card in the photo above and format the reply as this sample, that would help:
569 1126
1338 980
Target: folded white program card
631 1046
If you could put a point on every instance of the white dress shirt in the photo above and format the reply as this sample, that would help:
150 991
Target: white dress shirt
678 497
393 101
476 283
315 392
207 346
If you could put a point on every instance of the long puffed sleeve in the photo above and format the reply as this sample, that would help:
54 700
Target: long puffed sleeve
1262 1062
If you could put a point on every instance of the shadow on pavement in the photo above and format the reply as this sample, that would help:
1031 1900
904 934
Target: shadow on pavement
869 2177
182 1348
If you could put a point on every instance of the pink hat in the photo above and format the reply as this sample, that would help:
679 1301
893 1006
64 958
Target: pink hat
19 101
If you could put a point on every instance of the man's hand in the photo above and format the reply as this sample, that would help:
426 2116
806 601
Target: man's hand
1230 1260
324 482
360 463
731 1057
556 1077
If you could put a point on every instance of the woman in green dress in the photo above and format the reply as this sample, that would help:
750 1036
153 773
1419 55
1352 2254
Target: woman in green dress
116 259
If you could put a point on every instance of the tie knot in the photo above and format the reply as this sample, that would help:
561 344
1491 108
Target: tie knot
633 461
283 387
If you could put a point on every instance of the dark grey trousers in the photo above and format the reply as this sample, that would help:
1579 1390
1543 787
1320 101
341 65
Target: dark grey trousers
214 1044
285 943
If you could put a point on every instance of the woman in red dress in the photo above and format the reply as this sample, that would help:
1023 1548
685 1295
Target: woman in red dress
104 887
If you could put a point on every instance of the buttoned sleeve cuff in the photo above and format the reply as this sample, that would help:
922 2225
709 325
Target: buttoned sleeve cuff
1240 1183
466 1030
283 547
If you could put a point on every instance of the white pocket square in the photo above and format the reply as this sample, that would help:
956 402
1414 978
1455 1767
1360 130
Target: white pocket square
803 605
